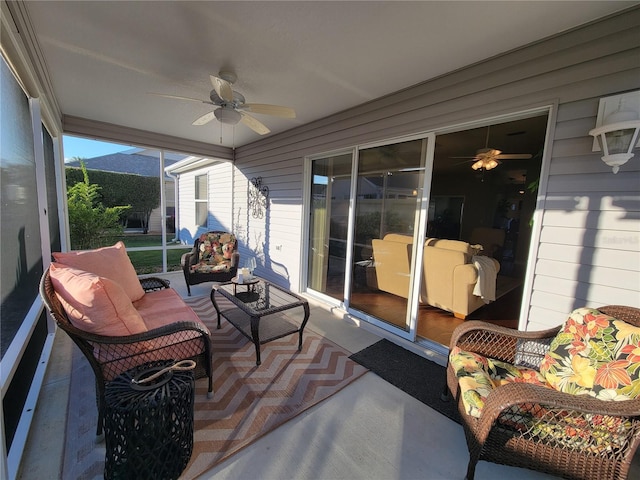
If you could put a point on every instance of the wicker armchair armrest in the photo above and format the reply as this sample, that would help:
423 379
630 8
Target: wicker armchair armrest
494 341
189 258
178 340
535 397
150 284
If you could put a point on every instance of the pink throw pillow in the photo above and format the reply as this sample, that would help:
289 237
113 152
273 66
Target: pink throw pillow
95 304
109 262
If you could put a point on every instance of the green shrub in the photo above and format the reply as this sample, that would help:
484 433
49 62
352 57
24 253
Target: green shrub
141 193
91 224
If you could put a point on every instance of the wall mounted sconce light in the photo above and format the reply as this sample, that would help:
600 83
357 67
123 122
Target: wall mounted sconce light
617 128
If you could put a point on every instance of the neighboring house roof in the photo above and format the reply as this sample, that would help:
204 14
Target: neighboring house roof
190 163
133 163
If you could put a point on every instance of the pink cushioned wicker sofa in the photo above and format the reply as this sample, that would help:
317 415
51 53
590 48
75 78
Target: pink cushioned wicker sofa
118 320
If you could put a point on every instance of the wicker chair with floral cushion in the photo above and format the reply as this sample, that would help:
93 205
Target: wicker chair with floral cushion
214 258
120 321
564 401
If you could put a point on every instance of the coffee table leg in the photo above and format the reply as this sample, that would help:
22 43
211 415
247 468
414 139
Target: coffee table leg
302 325
255 324
215 305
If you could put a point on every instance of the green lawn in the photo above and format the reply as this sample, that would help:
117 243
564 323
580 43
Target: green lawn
151 261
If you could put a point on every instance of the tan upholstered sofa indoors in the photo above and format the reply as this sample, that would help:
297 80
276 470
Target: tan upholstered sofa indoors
392 263
449 274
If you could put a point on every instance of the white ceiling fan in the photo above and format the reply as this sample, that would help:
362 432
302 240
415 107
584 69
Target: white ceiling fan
232 108
488 158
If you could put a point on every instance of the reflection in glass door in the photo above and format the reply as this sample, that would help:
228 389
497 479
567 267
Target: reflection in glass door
387 213
328 225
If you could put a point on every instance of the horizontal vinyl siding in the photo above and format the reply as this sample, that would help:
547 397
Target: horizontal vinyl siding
187 213
220 201
589 229
589 249
274 239
220 197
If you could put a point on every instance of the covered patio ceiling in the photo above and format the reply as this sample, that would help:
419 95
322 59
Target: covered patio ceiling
103 58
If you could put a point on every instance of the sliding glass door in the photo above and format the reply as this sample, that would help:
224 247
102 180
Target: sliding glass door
373 208
388 200
328 225
367 219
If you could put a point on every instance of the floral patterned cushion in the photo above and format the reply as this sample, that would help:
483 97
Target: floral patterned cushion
215 252
478 375
595 354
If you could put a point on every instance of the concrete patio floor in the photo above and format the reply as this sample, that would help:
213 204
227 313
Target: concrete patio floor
369 430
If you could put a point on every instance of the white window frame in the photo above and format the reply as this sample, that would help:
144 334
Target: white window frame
199 200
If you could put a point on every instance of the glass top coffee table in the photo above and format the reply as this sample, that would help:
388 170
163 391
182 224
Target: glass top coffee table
261 311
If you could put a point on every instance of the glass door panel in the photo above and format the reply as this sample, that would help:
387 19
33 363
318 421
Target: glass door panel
328 225
387 212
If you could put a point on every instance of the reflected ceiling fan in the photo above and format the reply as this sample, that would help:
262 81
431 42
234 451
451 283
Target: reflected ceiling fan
488 158
232 108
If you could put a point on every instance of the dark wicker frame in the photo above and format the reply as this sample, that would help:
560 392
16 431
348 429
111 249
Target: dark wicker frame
194 278
489 440
132 350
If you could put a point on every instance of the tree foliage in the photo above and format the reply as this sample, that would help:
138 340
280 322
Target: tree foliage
141 193
91 224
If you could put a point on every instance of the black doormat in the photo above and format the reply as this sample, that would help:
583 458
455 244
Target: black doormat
411 373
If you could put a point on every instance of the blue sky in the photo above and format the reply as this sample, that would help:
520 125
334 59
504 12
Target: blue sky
85 148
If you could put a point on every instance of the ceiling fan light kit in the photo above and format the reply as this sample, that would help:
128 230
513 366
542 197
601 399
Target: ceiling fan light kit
486 163
228 116
489 158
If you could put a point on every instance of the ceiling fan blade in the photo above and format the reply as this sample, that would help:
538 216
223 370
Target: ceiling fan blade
469 160
514 156
178 97
273 110
254 124
204 119
222 88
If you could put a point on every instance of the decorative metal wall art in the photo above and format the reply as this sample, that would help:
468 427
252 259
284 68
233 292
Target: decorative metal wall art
258 197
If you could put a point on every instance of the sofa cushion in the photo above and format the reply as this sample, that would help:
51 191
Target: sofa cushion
157 309
95 304
455 245
478 376
595 354
162 307
109 262
215 252
398 237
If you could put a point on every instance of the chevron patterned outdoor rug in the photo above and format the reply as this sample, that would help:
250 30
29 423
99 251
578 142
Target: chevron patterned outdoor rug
249 401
